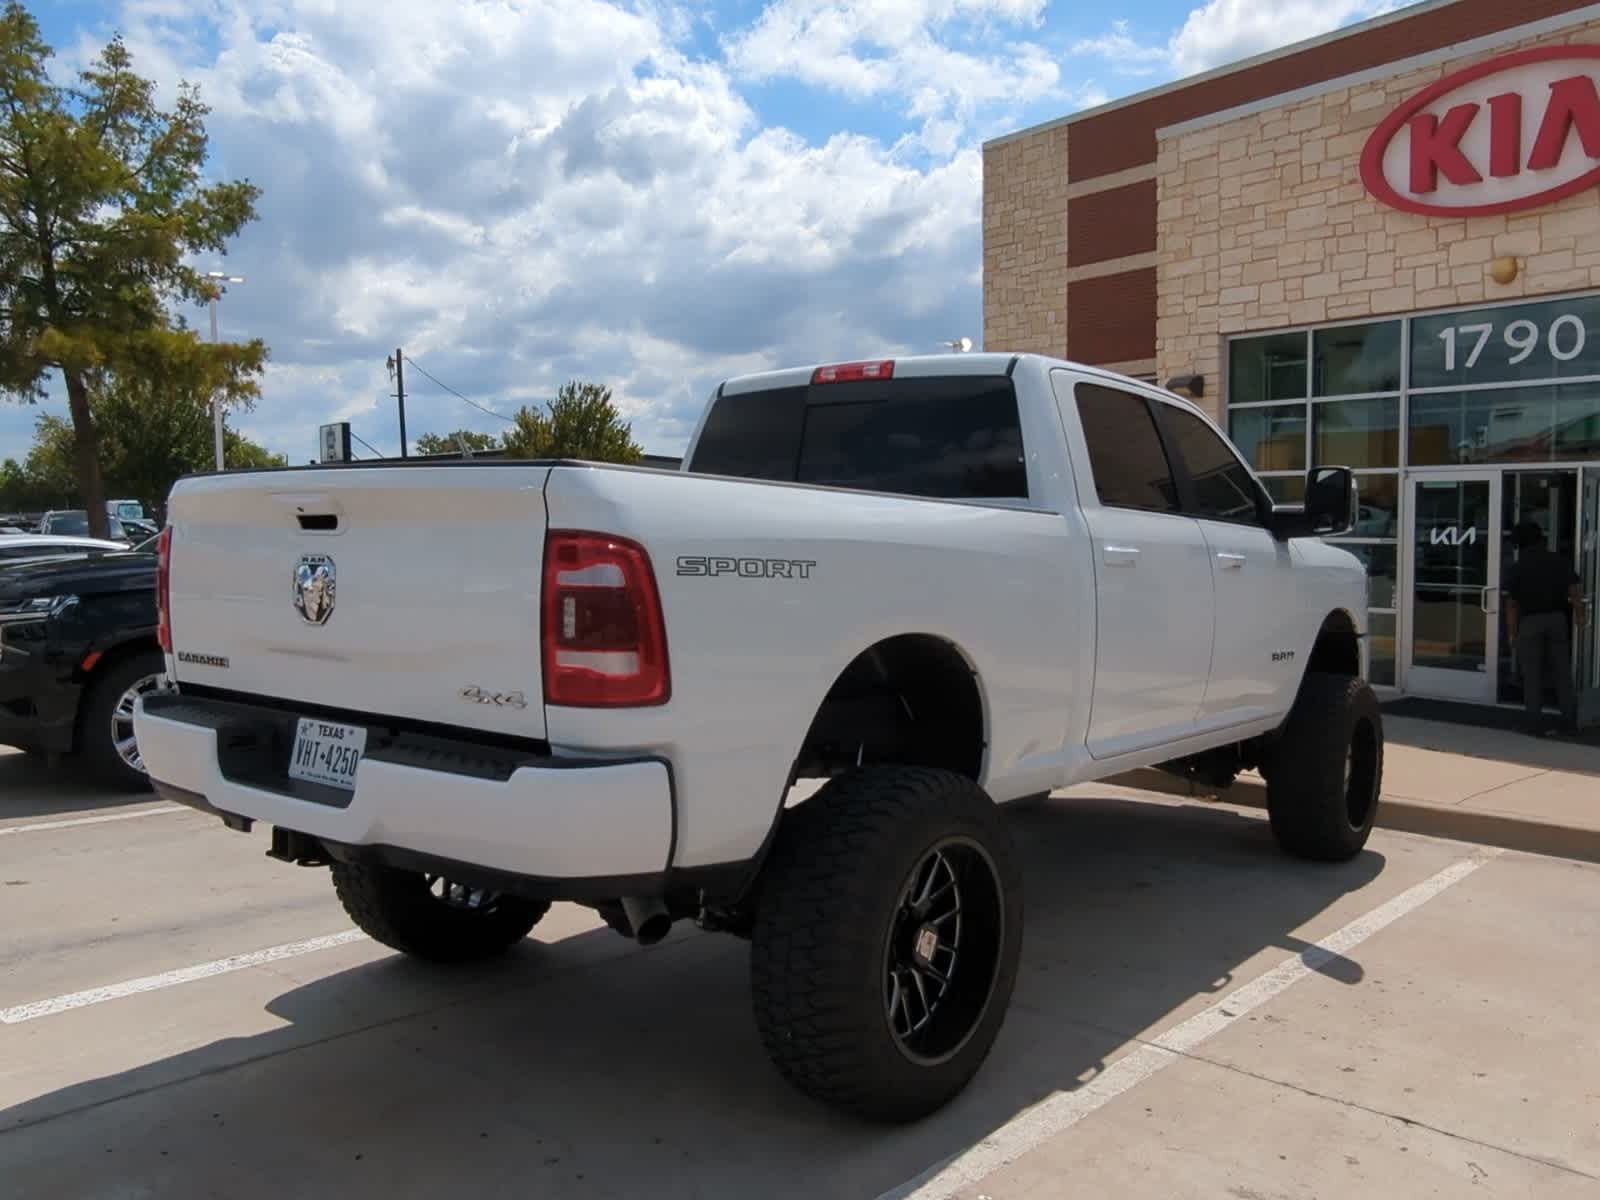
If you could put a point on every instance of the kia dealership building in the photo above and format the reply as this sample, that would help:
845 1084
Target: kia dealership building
1380 248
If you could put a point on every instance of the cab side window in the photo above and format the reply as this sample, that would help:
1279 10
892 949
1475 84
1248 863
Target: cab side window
1125 452
1224 489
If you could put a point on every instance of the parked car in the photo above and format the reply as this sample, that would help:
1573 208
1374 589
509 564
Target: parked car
912 588
74 522
77 648
126 510
25 547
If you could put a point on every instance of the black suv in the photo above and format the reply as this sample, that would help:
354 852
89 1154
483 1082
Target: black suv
77 648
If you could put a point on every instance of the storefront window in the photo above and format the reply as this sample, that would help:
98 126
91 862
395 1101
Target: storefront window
1285 489
1552 339
1526 424
1578 423
1378 500
1267 368
1381 643
1271 439
1350 360
1380 559
1515 385
1358 433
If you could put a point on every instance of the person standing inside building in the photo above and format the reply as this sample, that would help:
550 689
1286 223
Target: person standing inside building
1542 597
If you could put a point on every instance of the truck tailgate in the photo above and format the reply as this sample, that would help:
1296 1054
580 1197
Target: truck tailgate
433 613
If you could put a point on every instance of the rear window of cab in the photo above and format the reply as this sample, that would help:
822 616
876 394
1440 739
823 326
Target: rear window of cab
953 437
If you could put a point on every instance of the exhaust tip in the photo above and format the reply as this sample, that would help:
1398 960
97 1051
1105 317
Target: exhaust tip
653 930
648 918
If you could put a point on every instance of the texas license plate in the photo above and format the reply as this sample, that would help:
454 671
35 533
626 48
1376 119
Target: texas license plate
326 753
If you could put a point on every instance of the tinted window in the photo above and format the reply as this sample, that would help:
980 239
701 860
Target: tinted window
1130 467
1267 368
1529 424
1272 439
1551 339
1349 359
755 435
1358 433
950 438
1224 488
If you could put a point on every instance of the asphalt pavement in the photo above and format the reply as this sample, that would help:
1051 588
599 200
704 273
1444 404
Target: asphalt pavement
1196 1016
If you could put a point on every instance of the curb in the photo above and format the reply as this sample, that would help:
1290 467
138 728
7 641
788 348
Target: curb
1406 816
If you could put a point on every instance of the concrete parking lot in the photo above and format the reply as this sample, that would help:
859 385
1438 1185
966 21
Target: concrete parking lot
1196 1016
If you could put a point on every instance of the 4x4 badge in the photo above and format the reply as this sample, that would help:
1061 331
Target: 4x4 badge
314 581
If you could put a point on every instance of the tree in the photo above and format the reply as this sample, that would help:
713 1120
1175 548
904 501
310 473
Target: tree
102 204
582 422
20 492
243 454
155 420
153 428
450 443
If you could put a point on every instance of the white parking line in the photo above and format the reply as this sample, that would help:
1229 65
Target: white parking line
100 820
1061 1111
152 983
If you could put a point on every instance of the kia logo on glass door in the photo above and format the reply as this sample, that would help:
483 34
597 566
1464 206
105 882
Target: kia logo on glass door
1453 535
1515 132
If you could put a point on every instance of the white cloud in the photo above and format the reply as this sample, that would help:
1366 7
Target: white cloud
901 49
1124 51
521 192
1225 31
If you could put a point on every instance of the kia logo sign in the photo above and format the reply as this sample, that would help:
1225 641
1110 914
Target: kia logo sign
1516 132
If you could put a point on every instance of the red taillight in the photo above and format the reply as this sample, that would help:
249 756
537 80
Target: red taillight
605 641
848 372
164 589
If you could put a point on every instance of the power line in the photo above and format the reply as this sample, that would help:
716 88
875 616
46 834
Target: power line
458 395
357 437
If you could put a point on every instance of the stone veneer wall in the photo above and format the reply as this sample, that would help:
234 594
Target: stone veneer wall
1263 222
1025 243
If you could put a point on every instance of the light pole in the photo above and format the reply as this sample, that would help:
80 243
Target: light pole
216 399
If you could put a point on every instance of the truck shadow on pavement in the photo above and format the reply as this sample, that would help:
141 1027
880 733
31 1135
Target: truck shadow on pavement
32 787
588 1066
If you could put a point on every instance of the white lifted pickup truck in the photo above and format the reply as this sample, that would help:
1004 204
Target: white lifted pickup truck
780 691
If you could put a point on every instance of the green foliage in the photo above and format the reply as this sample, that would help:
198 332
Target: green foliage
103 204
582 422
450 443
151 432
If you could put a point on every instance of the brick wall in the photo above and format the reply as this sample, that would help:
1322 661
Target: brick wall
1025 244
1112 317
1027 177
1264 223
1125 136
1111 224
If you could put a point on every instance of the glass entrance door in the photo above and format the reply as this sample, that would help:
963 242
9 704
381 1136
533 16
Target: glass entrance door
1453 528
1548 499
1589 574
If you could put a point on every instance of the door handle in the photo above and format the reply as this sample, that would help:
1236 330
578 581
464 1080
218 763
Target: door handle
1231 562
1483 600
1121 556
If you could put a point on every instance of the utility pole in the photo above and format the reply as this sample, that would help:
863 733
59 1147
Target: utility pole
400 391
216 399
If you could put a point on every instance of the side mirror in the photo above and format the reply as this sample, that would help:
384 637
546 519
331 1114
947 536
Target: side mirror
1330 508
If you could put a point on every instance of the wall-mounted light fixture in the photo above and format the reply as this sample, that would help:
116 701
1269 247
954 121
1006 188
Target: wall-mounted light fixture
1503 269
1192 386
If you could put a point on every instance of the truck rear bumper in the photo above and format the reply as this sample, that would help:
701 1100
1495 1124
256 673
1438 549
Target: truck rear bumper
524 815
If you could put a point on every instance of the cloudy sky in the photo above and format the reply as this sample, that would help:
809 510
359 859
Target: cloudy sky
645 193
